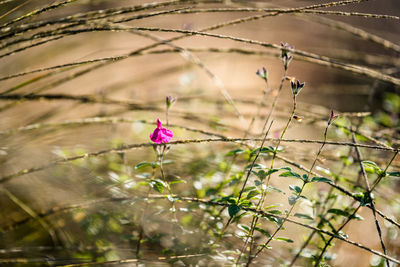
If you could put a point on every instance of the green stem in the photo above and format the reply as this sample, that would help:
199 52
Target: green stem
264 192
320 223
141 233
250 258
260 105
275 101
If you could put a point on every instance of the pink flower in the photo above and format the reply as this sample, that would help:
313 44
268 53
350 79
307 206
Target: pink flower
160 134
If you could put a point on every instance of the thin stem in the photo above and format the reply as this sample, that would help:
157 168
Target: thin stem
260 105
299 194
264 192
320 223
364 175
251 257
275 101
254 161
168 186
327 244
245 182
382 175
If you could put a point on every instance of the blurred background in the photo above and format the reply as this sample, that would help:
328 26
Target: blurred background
85 76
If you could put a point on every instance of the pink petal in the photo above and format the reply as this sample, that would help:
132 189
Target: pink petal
166 135
155 136
160 134
158 123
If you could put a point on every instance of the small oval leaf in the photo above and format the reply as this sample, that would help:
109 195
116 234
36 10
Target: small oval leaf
321 179
290 174
233 209
397 174
303 216
284 239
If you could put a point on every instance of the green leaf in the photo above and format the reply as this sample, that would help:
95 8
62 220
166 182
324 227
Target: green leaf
249 188
263 174
152 164
145 164
345 214
260 174
272 218
277 212
303 216
264 150
244 227
293 199
157 185
305 178
258 182
236 151
371 166
252 194
339 212
238 217
271 171
295 188
232 200
284 239
364 198
321 179
244 203
255 166
262 231
303 197
270 207
233 209
290 174
397 174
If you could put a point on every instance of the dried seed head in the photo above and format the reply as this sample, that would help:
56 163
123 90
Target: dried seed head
285 54
263 73
296 87
170 100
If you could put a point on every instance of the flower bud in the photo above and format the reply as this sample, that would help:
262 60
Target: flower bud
170 100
